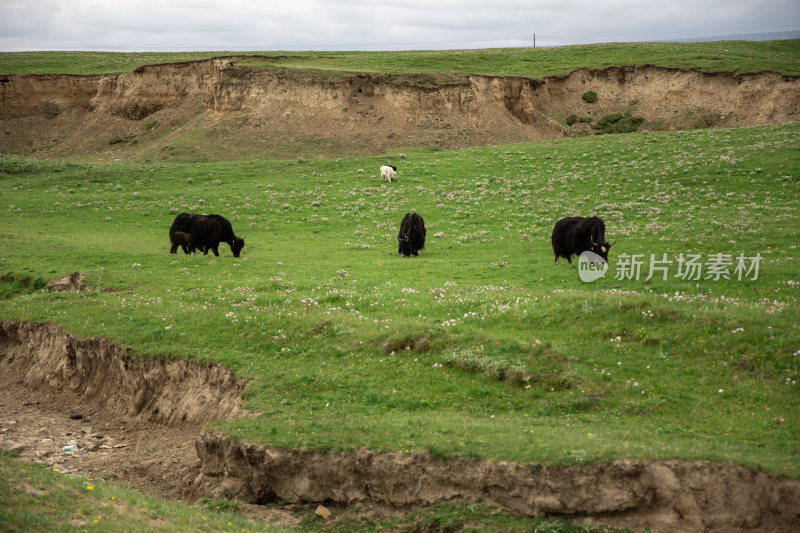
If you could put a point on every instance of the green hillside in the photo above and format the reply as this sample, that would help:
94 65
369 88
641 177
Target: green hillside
481 346
721 56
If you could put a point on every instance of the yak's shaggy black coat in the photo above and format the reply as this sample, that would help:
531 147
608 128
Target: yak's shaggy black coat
206 231
411 238
573 235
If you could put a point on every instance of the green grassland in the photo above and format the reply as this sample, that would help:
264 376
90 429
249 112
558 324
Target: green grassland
481 346
739 57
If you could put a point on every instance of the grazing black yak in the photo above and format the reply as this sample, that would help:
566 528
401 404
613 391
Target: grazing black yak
411 237
573 235
206 232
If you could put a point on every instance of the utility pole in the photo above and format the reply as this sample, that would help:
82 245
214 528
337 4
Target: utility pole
534 40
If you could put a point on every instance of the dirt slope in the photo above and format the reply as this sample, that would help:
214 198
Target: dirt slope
215 110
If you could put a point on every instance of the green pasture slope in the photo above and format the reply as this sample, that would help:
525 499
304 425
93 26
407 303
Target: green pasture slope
740 57
479 347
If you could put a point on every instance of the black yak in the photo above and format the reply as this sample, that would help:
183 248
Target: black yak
411 237
206 232
182 239
573 235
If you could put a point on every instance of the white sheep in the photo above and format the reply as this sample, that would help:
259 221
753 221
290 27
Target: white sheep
388 172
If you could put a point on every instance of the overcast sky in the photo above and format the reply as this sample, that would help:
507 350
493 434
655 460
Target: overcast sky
195 25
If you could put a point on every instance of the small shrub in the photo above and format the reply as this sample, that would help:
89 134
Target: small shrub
571 120
12 284
629 124
585 120
589 97
609 120
604 130
475 362
115 140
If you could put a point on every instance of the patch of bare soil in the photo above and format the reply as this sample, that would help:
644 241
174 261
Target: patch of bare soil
140 422
149 457
215 110
88 407
130 419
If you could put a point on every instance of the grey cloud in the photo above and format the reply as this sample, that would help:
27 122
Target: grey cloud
360 24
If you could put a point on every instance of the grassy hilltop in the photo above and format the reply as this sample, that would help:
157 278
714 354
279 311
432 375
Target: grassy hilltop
481 346
740 57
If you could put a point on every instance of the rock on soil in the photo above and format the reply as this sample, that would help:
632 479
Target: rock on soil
73 282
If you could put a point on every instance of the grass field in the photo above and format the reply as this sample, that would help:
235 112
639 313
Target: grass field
481 346
739 57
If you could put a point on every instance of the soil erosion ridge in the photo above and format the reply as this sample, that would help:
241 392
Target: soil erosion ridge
216 110
140 419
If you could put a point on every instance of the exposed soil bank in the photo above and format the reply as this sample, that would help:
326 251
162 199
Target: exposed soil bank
661 495
142 417
163 391
133 420
214 110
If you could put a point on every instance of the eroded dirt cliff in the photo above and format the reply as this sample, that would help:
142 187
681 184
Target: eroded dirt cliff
133 420
216 110
660 495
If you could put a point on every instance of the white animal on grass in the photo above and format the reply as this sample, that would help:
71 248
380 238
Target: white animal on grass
388 172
